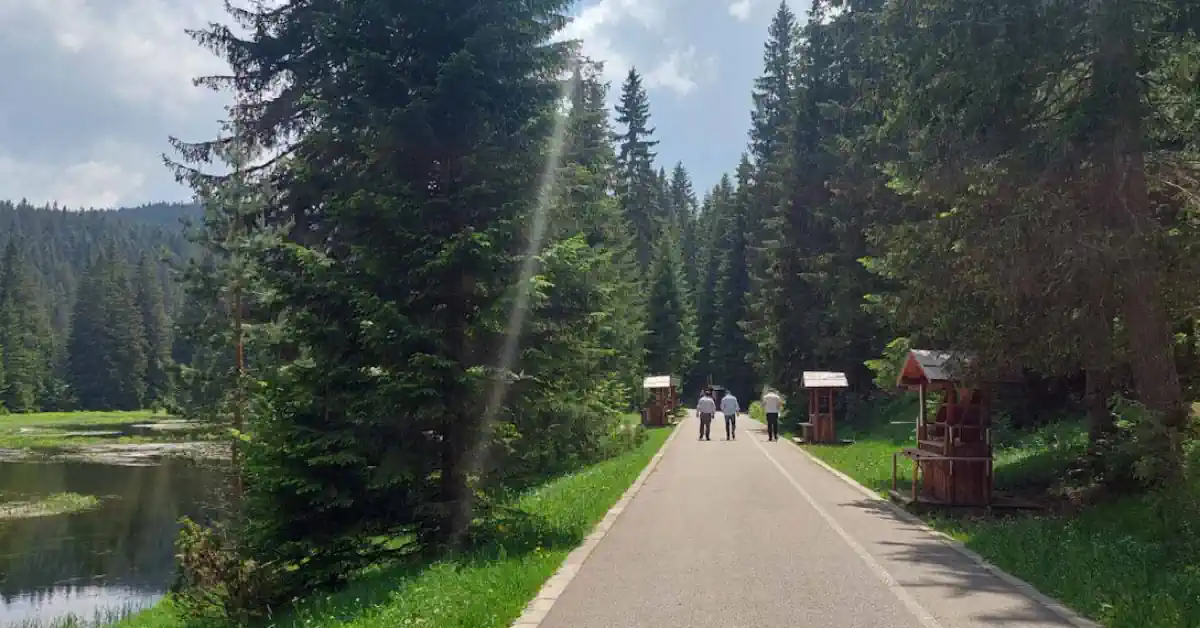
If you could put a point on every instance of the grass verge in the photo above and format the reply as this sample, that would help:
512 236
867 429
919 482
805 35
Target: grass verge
487 588
1129 563
56 504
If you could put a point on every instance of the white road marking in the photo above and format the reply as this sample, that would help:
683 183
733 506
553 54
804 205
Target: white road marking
924 616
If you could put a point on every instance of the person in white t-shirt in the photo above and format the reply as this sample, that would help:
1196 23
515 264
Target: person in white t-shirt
772 404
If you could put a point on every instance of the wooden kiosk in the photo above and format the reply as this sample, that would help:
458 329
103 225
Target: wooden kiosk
664 399
718 393
952 462
821 428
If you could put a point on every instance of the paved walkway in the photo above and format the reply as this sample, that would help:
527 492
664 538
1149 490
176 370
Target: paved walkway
753 534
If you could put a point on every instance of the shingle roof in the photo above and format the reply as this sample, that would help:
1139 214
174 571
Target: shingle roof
940 366
825 379
660 381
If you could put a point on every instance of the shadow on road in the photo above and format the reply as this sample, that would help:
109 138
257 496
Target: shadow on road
940 567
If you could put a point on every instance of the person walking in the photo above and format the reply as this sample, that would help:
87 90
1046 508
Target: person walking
772 403
730 408
706 409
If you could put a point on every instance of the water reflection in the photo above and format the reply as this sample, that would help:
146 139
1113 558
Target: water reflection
118 555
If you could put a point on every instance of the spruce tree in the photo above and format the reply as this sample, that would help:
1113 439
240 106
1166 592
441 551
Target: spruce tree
157 333
637 186
24 334
589 167
126 337
671 335
683 206
395 277
91 369
712 225
733 351
774 98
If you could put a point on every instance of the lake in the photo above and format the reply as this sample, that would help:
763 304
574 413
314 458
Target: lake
119 555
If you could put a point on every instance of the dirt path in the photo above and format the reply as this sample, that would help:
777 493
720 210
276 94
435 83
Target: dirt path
754 534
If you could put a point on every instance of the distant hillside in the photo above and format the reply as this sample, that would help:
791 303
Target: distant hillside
59 244
166 215
55 355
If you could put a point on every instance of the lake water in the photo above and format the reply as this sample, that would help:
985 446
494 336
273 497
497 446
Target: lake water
116 556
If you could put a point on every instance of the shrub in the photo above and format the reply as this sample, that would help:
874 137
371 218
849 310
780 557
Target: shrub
217 585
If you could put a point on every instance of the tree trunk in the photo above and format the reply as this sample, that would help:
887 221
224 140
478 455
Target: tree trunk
1100 419
1123 198
460 435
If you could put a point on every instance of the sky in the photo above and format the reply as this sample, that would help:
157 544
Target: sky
93 89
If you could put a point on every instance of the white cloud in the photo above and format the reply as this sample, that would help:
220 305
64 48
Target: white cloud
597 25
112 172
740 9
633 33
676 72
139 45
105 83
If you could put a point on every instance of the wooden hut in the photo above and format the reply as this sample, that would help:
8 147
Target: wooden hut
952 462
718 393
821 427
664 399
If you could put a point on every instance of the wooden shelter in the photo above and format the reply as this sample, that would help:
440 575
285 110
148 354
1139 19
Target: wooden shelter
718 393
821 428
664 399
952 462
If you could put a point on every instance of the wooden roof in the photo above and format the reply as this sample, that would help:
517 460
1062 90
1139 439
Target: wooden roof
824 379
660 381
929 366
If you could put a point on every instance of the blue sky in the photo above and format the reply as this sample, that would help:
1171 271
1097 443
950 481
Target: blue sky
93 88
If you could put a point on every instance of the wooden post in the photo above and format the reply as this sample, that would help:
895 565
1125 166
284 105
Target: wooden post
921 414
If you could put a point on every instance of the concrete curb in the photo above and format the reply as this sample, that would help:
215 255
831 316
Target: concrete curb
1056 607
537 609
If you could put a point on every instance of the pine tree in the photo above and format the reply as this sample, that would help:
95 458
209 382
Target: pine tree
90 370
24 331
589 168
637 185
712 224
683 207
732 350
126 337
106 350
671 336
774 97
396 276
157 333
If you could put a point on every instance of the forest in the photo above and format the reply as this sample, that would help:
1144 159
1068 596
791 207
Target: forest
87 300
441 293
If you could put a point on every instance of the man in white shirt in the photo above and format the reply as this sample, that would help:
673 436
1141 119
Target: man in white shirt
706 409
729 406
772 403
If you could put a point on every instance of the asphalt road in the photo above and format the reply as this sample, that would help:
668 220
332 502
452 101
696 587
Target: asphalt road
752 534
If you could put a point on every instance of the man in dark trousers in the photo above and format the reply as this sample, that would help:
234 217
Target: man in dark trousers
730 408
706 409
772 403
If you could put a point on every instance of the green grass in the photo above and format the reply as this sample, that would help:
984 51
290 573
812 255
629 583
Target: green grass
1129 563
51 429
49 419
50 505
487 588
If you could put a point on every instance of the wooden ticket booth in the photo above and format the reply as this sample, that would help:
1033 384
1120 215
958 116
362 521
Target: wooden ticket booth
821 427
664 399
952 462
